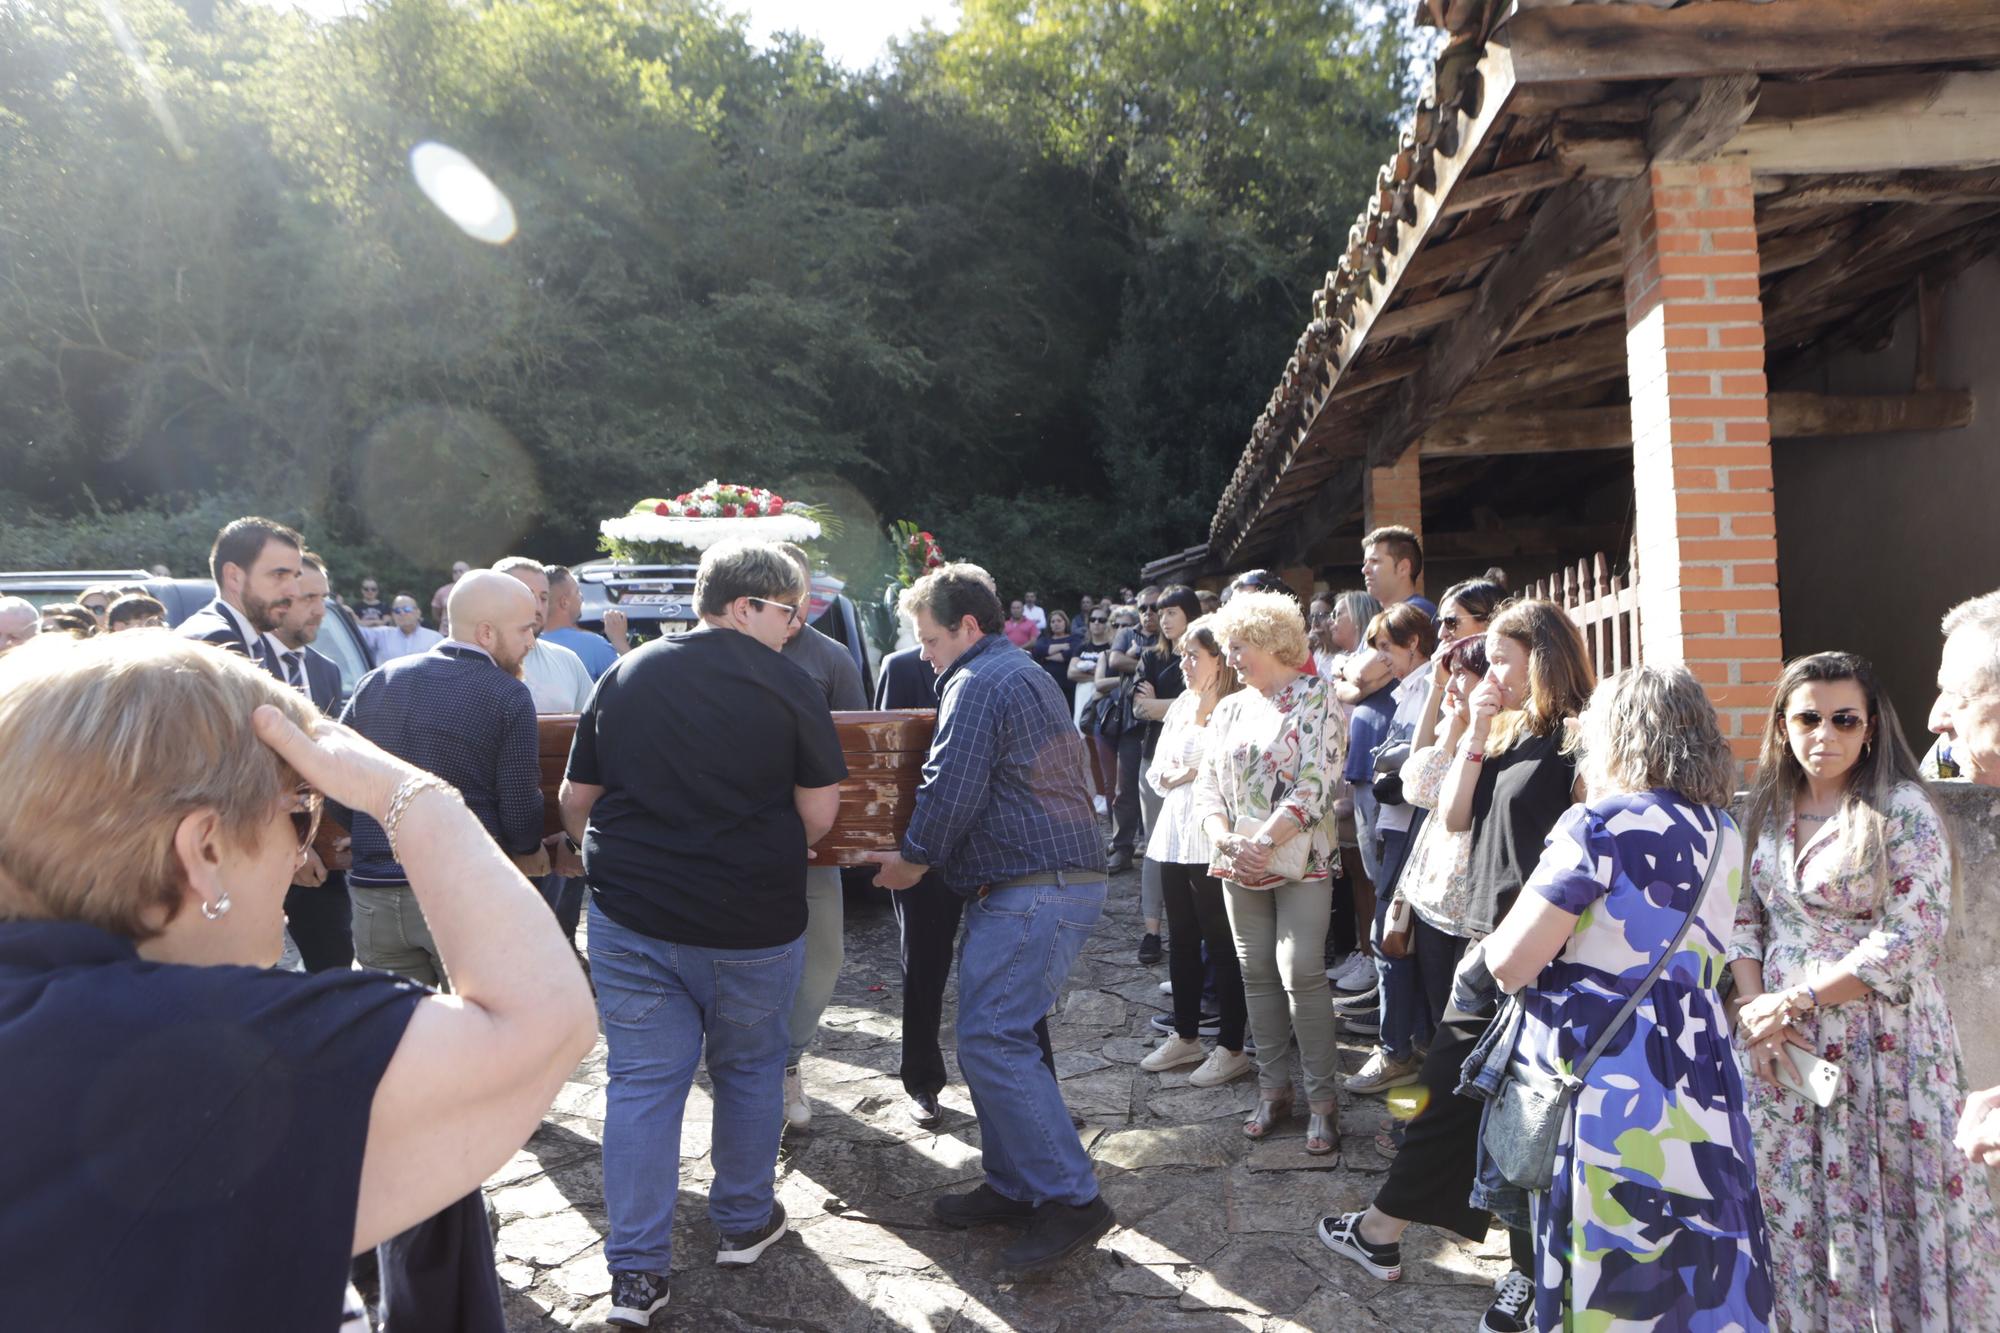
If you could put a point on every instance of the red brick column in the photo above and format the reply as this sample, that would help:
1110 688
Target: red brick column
1701 437
1394 496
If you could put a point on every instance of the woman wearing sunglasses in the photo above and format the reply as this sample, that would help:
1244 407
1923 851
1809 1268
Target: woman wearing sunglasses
205 1142
1876 1221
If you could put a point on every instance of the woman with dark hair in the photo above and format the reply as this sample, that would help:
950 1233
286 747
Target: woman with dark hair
1509 781
70 618
1091 685
1159 683
1839 953
1652 861
1055 649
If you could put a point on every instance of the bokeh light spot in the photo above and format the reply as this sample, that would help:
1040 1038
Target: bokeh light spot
463 192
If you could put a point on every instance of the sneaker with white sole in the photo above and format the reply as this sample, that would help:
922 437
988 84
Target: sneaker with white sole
1166 988
635 1298
1367 1024
1356 972
1382 1073
1513 1305
745 1247
1341 1233
1221 1067
798 1111
1172 1053
1365 1001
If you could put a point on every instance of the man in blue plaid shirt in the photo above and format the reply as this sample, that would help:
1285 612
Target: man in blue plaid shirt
1005 816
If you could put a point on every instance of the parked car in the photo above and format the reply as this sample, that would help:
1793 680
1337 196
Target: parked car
340 638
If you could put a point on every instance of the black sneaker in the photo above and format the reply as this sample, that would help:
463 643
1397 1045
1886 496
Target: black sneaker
984 1204
1059 1230
1513 1305
745 1247
1149 948
1121 860
1209 1025
1341 1233
635 1297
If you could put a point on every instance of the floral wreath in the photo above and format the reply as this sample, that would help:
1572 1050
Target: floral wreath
676 531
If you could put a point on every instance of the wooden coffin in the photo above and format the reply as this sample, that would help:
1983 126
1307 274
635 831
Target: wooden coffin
885 762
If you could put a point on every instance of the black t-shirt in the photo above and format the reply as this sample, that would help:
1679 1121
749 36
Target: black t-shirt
1164 671
1519 797
698 741
183 1144
1058 667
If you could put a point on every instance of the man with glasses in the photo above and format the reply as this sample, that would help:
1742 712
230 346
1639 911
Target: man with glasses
704 767
369 611
97 600
405 635
1134 637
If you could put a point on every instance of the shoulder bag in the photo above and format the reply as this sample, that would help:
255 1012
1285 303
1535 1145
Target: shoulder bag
1525 1124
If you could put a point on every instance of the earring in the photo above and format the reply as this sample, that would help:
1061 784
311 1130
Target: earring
218 909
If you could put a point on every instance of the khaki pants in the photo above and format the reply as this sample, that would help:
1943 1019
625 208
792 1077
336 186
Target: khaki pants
1280 942
391 935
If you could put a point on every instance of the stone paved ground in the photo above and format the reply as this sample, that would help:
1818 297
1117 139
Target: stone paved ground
1215 1232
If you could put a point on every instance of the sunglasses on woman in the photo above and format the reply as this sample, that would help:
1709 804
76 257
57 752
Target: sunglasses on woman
1808 719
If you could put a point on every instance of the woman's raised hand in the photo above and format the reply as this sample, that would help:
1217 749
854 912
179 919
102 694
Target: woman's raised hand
338 763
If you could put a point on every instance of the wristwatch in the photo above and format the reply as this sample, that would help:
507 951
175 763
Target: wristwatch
1265 840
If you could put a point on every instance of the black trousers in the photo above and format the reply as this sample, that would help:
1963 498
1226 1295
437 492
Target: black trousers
1125 813
927 920
322 923
1196 916
1437 956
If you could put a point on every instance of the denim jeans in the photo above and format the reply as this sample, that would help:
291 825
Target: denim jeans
661 1003
1018 947
1405 1018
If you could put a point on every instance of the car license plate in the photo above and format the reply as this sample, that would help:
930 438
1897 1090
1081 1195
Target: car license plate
666 601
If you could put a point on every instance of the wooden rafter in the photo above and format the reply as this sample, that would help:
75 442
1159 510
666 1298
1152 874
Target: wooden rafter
1793 416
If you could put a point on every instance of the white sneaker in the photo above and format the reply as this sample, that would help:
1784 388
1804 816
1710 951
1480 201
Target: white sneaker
1356 972
1221 1067
1172 1053
1102 807
798 1111
1381 1073
1166 988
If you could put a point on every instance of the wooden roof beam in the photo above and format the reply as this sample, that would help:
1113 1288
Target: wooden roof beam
1940 189
1495 434
1620 42
1891 123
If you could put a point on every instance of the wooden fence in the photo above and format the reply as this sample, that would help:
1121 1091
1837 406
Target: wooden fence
1605 606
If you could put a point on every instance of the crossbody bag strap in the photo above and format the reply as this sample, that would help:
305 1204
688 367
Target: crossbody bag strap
1660 965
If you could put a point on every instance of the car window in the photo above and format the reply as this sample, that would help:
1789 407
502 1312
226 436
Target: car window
337 640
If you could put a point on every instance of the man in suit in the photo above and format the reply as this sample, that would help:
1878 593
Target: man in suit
459 711
316 911
255 565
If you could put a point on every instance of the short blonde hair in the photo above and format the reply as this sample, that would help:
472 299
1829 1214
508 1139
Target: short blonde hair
111 743
1653 726
1267 620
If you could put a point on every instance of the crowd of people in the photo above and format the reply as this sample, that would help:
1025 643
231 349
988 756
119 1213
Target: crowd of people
1702 1071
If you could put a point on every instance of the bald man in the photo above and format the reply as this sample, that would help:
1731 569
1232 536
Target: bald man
459 711
19 622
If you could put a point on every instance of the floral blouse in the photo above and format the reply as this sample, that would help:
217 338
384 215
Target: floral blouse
1434 881
1281 753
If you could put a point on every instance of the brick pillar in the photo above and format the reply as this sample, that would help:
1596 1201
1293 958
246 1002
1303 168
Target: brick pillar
1701 437
1394 496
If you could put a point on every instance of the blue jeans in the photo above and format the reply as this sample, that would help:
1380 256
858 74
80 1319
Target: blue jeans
1405 1019
1018 947
660 1003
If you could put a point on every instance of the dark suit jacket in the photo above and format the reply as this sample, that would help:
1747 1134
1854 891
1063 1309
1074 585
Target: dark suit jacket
906 681
323 681
213 625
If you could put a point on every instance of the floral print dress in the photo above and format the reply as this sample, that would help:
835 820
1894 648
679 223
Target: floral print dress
1284 752
1653 1220
1877 1221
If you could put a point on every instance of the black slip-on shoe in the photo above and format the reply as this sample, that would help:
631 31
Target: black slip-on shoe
985 1204
1058 1231
924 1109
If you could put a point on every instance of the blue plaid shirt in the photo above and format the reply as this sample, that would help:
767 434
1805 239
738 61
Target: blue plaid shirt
452 712
1005 791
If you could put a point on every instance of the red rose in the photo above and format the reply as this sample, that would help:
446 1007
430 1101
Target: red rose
933 560
661 509
751 510
775 508
729 511
693 511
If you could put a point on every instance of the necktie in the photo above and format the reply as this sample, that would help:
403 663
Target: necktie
295 675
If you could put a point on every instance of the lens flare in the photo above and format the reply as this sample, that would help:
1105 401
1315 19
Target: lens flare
463 193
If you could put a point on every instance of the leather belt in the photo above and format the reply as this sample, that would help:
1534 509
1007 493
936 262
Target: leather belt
1043 878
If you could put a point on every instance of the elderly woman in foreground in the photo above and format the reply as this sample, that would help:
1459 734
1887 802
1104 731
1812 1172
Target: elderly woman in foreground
1653 1214
193 1141
1262 796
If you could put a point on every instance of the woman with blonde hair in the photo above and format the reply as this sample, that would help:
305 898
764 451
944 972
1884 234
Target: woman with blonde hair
1262 797
1839 953
208 1140
1180 848
1651 864
1509 781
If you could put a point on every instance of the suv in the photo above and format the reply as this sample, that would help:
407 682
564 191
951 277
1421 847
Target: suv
659 600
339 637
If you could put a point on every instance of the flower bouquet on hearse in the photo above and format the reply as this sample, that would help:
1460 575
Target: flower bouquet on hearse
677 531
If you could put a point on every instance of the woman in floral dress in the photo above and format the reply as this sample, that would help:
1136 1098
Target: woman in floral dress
1876 1221
1652 1220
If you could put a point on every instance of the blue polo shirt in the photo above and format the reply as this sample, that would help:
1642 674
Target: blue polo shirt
182 1145
595 650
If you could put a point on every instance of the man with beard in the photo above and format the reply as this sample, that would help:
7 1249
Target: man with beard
459 711
255 565
316 910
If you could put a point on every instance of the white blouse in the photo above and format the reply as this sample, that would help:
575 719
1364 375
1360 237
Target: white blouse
1178 837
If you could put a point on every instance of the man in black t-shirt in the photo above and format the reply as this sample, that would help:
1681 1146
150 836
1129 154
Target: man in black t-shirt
704 767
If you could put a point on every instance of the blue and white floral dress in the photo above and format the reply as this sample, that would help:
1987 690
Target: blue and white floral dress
1654 1220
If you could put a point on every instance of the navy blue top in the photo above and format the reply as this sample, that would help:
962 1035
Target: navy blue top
182 1144
453 712
905 680
1366 731
1005 792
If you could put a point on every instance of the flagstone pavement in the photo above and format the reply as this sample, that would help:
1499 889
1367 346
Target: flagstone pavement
1215 1232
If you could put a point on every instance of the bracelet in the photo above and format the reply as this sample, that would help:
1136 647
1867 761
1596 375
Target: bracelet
1473 756
399 804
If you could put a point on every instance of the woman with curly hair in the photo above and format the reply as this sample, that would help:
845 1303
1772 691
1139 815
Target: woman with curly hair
1876 1221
